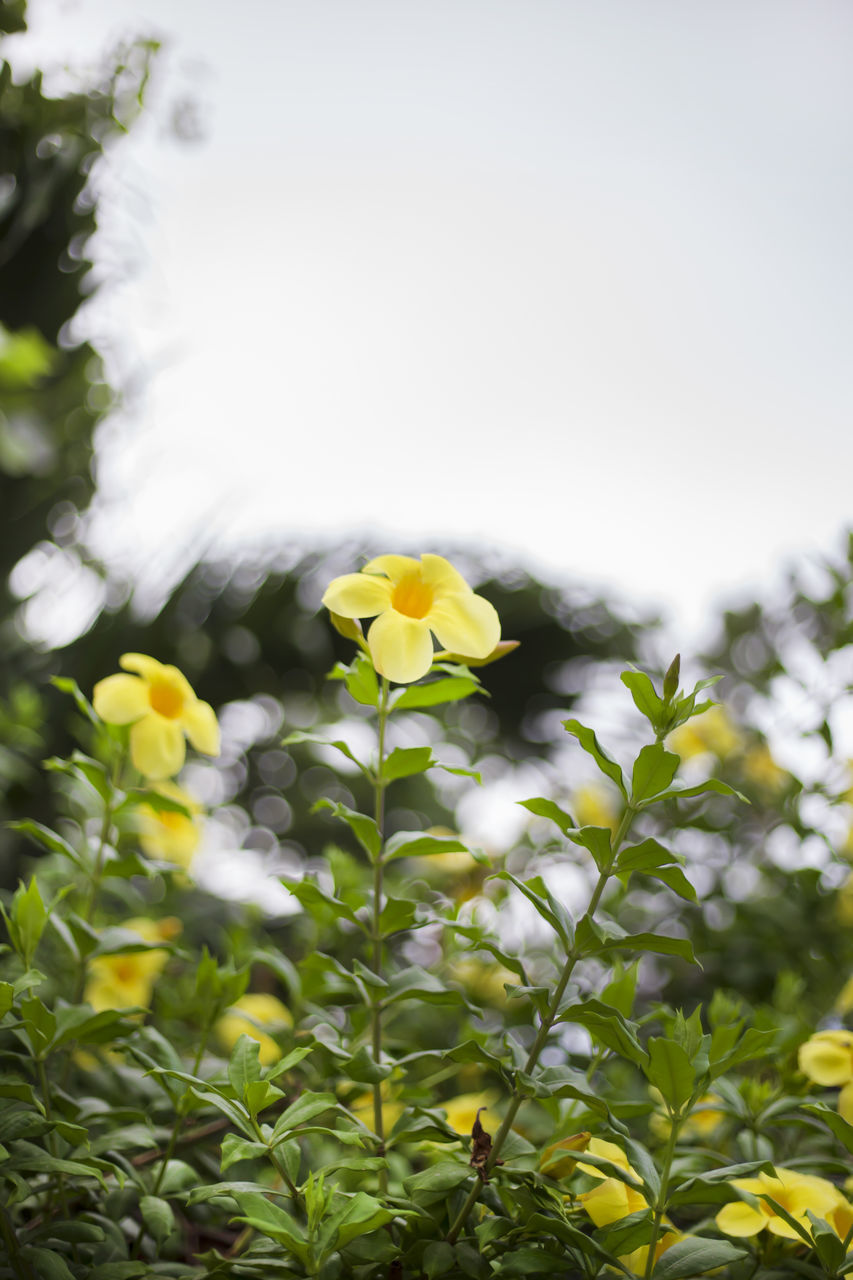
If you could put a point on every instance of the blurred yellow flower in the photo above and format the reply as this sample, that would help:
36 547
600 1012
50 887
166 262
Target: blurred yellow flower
461 1111
701 1123
249 1016
844 1003
827 1057
483 980
362 1107
167 834
760 768
127 978
594 806
561 1158
798 1193
409 599
161 707
613 1199
713 732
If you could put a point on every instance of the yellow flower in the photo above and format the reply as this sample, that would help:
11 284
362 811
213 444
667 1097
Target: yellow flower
167 834
795 1192
762 770
409 599
613 1200
247 1017
595 806
713 732
483 980
362 1107
827 1057
161 706
127 978
702 1121
561 1158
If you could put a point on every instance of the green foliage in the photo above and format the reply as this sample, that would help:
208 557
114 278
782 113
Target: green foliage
149 1139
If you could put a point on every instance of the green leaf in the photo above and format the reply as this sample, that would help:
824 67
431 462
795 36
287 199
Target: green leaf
695 1256
645 697
362 1068
316 740
306 1107
675 879
314 899
243 1067
553 912
272 1221
842 1130
438 1258
654 770
363 828
158 1217
679 791
591 745
543 808
360 1214
597 841
417 844
361 682
657 943
235 1148
436 692
434 1182
405 761
26 920
397 914
415 983
627 1234
66 685
670 1070
646 856
47 1264
609 1028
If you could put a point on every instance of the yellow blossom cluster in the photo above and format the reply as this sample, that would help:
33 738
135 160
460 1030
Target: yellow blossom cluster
612 1199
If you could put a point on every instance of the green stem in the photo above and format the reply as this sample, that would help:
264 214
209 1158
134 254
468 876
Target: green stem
109 803
376 933
52 1140
660 1207
181 1116
7 1232
545 1025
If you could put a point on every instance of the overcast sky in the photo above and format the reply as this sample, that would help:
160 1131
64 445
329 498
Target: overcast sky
568 277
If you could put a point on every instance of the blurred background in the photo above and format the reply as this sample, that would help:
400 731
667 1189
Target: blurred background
559 290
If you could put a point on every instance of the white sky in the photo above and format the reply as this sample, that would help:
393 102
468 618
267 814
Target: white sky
569 277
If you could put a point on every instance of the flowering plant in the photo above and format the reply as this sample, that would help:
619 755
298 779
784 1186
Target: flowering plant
445 1060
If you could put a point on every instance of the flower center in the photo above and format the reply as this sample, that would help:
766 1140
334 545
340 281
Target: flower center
165 699
126 971
412 597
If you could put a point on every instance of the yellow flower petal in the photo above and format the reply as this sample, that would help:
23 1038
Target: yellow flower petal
610 1201
247 1016
121 699
394 567
740 1219
157 747
441 575
827 1058
202 728
400 647
148 668
465 624
358 595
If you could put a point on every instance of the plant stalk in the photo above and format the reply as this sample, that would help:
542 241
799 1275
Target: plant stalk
376 934
544 1031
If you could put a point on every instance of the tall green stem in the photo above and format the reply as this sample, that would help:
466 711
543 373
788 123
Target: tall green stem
376 933
546 1023
660 1207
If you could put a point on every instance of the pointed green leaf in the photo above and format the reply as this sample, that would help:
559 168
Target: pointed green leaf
645 697
591 745
436 692
403 762
654 770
